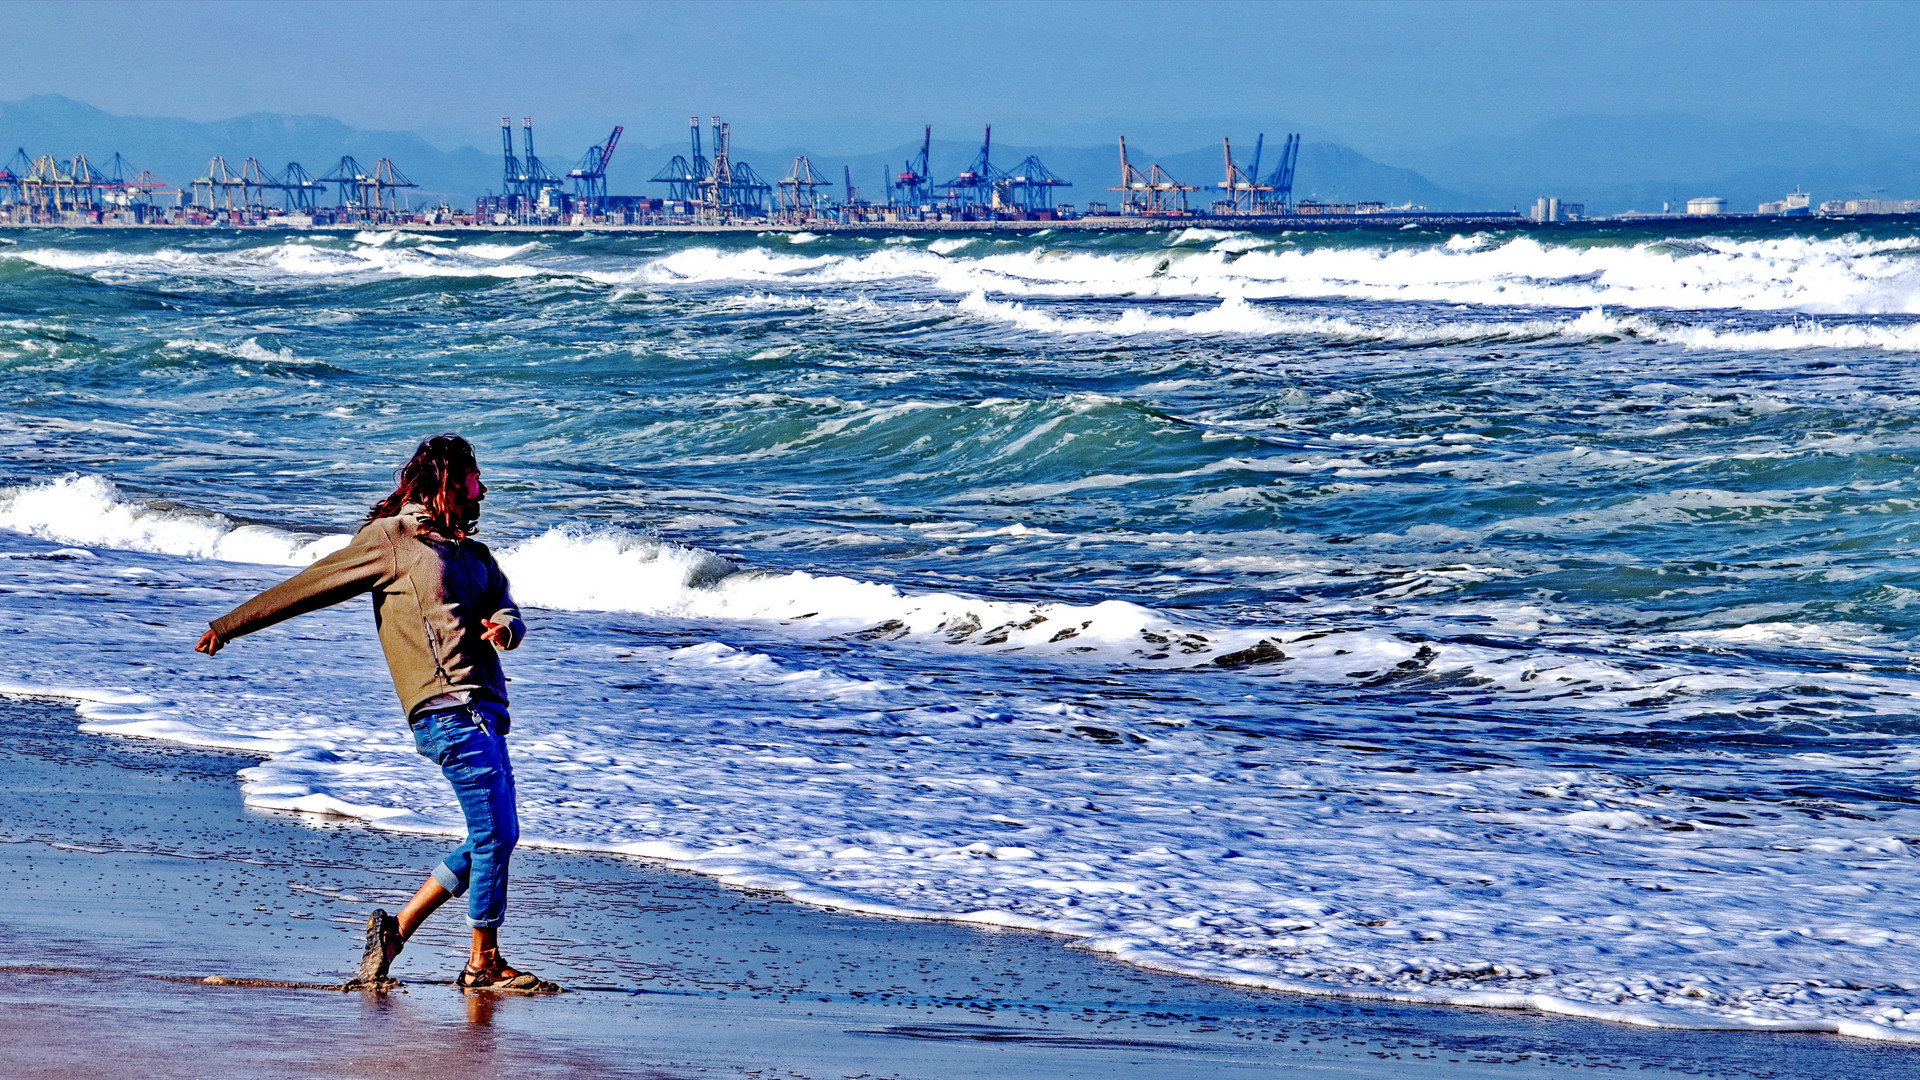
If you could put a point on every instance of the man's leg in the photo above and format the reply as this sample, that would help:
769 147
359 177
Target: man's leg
424 903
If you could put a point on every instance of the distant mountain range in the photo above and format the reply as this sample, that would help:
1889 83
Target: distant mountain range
177 150
1609 163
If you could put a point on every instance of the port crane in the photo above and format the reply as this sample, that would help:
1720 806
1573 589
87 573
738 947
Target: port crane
1028 185
254 182
512 175
590 176
681 175
45 185
14 174
376 189
299 189
1149 193
538 181
1243 188
977 179
797 201
1280 183
86 183
916 176
113 181
221 179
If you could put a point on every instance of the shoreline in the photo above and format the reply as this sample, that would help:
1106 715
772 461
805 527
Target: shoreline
158 871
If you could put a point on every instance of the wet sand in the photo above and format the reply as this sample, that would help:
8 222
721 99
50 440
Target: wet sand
129 870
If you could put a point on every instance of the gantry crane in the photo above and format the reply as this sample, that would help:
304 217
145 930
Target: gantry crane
512 175
796 202
1280 184
1243 188
590 176
538 180
974 184
1028 186
1151 192
299 189
681 175
916 176
254 182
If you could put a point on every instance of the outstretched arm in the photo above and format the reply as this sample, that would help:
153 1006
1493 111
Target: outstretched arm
364 564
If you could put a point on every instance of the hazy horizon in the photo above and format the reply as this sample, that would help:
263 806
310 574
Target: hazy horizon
1387 78
1609 163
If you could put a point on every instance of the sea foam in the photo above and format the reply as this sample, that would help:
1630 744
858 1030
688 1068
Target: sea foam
1812 275
1330 862
89 510
575 569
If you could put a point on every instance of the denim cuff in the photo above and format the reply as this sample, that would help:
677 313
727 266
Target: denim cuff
448 879
485 924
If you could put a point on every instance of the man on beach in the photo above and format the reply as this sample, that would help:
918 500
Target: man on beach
443 612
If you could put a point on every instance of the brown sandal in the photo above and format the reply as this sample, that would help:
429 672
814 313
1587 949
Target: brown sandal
499 975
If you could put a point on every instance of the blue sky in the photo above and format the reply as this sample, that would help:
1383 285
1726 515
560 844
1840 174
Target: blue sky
1385 77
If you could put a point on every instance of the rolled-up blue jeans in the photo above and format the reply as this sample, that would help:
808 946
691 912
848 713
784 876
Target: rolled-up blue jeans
469 743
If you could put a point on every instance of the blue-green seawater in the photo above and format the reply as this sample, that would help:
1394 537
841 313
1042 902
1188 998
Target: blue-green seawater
1503 618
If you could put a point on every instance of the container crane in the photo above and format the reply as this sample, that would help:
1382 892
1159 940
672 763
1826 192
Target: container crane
220 177
124 191
254 182
85 183
512 176
1151 192
1281 182
915 174
299 189
1028 186
538 181
387 183
681 175
45 185
590 176
797 201
353 181
13 174
976 180
1243 188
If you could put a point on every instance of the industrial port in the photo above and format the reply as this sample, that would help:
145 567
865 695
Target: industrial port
709 188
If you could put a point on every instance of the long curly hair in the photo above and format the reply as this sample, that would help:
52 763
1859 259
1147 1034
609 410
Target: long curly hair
436 478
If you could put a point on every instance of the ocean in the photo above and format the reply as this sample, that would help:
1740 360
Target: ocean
1512 619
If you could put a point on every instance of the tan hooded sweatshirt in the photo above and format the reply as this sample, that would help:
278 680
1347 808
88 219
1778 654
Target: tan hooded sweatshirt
429 597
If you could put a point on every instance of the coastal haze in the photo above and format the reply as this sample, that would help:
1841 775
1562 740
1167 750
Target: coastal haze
1450 615
1610 164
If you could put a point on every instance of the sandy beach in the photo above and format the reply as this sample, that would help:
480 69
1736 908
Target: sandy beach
132 871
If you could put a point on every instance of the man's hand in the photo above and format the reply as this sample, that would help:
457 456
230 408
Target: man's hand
495 634
209 643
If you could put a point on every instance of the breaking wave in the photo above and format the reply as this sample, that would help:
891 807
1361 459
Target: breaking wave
1804 274
573 568
1810 275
